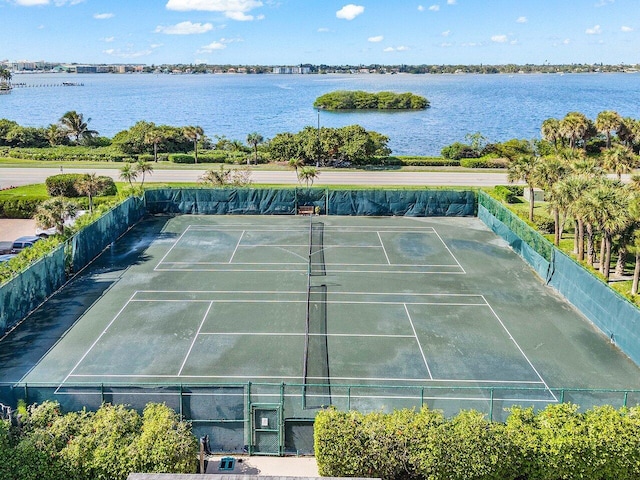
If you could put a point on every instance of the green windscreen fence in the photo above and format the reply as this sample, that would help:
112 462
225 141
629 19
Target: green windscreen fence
231 201
614 315
34 285
94 238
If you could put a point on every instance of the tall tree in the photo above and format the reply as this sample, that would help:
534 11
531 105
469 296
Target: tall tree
144 168
154 137
523 169
194 133
296 163
76 126
129 173
575 127
547 173
551 131
54 212
308 175
606 122
254 139
91 185
619 159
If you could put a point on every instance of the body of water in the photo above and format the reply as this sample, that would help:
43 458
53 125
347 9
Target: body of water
500 107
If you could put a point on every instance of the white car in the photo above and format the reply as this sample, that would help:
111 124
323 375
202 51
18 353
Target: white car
47 232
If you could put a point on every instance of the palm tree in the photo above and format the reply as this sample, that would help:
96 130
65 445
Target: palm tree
308 175
296 163
219 178
55 134
551 131
5 79
629 131
154 137
619 159
53 213
129 173
254 139
194 134
523 169
76 126
607 122
547 173
634 212
91 185
143 167
574 127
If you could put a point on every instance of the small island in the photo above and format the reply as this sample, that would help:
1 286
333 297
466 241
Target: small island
360 100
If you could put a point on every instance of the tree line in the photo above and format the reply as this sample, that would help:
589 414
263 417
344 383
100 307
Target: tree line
360 100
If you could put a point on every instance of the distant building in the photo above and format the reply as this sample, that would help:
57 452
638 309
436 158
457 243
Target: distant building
291 70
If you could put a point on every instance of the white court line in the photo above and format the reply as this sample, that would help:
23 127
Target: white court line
293 270
172 247
383 249
289 334
95 342
415 334
332 302
450 252
195 337
237 245
519 348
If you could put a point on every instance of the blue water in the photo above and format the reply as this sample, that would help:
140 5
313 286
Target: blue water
499 106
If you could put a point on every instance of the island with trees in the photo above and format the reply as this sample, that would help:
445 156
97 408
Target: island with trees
361 100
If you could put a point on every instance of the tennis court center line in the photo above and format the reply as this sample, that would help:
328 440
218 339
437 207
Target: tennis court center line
450 252
172 246
383 249
519 348
415 334
195 337
237 245
96 341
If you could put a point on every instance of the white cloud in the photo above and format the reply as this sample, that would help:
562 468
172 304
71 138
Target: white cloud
566 41
31 3
420 8
323 30
156 45
451 2
522 20
233 9
596 30
446 33
604 3
218 45
349 12
109 39
401 48
375 39
60 3
40 27
103 16
499 38
434 8
446 44
184 28
626 29
118 53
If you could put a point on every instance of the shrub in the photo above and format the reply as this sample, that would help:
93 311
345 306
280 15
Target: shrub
181 158
20 207
458 150
65 185
504 193
429 161
484 162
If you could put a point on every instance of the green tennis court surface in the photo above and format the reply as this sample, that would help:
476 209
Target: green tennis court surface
376 310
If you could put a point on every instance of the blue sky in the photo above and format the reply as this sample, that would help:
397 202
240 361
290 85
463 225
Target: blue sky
275 32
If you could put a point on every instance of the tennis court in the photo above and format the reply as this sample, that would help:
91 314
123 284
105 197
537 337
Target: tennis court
329 301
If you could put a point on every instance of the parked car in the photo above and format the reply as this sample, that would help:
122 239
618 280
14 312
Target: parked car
6 257
24 242
47 232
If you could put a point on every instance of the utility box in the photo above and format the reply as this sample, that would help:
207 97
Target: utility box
538 195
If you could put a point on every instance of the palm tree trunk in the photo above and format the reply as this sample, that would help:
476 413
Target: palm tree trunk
531 200
580 240
195 150
607 255
576 238
155 155
622 259
556 221
636 275
603 248
590 245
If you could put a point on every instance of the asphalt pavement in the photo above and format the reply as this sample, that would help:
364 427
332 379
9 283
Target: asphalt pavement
24 176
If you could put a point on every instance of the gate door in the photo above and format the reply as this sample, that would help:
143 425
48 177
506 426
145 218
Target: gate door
266 426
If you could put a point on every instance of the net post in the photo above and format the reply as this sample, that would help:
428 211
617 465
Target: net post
491 405
102 393
626 398
181 402
562 396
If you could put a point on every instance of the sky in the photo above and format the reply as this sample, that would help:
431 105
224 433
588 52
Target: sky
292 32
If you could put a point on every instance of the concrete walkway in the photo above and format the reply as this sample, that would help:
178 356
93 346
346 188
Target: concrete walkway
266 466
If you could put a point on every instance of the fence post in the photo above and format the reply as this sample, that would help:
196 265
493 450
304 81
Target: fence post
626 396
181 414
422 397
562 396
102 393
491 405
349 398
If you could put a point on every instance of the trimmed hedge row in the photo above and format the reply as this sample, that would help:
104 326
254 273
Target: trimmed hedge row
555 443
66 185
216 156
20 207
484 162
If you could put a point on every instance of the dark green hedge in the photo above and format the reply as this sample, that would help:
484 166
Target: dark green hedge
65 185
20 207
556 443
483 162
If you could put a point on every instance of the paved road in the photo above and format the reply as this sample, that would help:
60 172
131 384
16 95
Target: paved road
25 176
